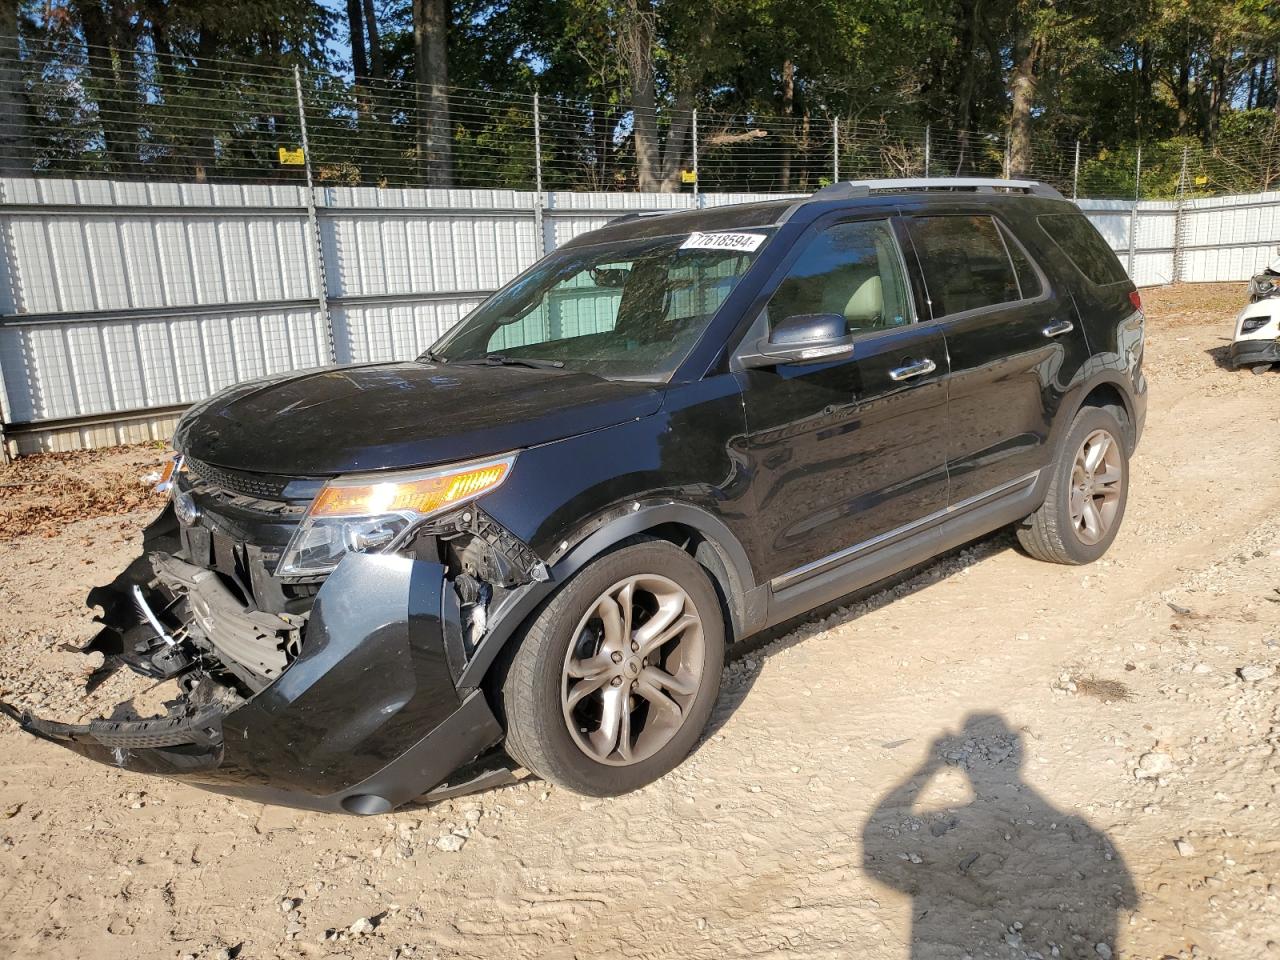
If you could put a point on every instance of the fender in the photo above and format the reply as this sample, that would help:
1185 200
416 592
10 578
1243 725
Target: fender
747 600
1073 401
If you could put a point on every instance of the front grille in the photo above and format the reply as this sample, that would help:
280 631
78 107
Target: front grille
262 486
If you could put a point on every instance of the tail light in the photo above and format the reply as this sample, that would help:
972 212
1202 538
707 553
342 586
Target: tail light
1136 299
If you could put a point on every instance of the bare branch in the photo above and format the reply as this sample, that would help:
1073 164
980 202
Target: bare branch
722 138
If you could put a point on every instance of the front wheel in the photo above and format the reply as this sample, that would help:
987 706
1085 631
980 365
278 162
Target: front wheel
1085 503
615 678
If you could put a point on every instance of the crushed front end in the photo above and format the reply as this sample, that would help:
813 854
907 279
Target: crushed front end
1256 340
333 691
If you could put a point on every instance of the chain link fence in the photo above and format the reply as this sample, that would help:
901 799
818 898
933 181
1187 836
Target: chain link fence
128 115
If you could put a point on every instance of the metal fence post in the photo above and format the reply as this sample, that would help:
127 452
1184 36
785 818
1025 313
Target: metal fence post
926 149
313 222
546 228
537 144
539 198
698 201
10 270
1179 240
4 416
1075 173
1133 212
835 149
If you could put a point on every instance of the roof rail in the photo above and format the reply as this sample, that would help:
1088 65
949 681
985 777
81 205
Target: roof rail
851 189
637 214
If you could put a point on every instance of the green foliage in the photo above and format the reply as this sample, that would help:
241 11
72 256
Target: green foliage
1180 78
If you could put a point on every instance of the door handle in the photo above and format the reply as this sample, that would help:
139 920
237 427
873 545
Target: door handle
916 368
1058 328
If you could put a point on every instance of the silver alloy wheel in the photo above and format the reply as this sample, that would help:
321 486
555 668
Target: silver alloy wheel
1096 486
633 669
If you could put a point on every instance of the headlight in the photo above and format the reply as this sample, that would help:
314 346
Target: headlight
373 512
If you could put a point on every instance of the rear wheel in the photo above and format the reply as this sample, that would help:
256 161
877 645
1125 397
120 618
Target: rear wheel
615 678
1085 502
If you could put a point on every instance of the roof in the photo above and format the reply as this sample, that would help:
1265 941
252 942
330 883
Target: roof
659 223
662 223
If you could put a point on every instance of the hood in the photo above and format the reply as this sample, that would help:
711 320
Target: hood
396 415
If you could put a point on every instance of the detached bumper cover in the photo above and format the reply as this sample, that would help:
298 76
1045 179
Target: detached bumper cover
365 719
1246 352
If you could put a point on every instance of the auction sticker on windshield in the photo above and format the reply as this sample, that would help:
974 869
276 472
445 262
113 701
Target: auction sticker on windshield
724 241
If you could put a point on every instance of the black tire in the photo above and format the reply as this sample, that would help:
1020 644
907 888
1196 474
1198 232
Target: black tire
538 735
1050 534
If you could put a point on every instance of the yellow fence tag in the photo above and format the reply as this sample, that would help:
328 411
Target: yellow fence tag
291 158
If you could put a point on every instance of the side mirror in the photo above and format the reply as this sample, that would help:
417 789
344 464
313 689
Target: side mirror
613 277
802 338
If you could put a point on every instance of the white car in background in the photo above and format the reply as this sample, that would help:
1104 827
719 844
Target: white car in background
1256 342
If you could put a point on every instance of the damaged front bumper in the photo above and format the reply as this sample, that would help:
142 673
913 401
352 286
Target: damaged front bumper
365 717
1250 352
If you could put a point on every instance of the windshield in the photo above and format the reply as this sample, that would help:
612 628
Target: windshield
629 310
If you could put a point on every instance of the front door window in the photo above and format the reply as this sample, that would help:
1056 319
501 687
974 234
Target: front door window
849 269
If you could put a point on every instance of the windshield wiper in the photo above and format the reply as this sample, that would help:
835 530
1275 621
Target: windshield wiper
501 360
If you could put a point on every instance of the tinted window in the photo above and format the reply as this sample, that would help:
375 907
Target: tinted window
965 263
850 269
1028 280
1084 246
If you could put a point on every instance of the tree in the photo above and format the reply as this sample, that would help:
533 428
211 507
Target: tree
431 63
356 37
191 88
1027 46
658 164
377 68
111 35
15 139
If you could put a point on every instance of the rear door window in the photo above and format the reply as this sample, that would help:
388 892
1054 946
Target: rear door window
965 263
1075 236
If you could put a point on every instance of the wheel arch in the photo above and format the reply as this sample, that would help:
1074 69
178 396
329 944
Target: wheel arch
691 528
1108 395
1107 391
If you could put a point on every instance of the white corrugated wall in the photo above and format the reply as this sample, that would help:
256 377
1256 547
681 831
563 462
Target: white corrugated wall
121 302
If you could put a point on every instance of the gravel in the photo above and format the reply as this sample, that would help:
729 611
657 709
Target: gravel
1153 764
1255 672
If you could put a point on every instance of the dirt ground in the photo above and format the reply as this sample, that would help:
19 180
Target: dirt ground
982 761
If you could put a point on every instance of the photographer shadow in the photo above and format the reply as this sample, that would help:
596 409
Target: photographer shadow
1004 874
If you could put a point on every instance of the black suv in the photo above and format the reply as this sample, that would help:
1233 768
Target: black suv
667 435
